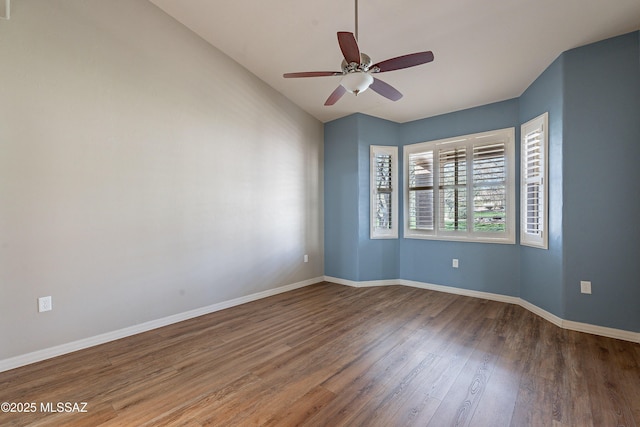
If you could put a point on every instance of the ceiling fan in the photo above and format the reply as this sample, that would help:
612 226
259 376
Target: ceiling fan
357 69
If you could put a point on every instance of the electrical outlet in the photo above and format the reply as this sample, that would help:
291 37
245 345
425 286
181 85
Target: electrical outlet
454 264
44 304
306 258
585 287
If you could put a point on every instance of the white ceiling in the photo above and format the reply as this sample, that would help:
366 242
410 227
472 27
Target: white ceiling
485 50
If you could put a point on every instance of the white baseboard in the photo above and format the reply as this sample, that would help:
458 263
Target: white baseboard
423 285
620 334
48 353
361 284
37 356
460 291
562 323
558 321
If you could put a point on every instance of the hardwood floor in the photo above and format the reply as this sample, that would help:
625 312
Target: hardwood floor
330 355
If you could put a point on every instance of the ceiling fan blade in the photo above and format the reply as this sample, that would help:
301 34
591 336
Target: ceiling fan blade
349 47
385 90
312 74
336 95
404 61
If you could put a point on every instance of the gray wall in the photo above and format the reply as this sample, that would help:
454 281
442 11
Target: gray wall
142 174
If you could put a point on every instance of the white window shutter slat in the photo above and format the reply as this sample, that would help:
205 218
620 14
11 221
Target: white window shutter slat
384 194
533 183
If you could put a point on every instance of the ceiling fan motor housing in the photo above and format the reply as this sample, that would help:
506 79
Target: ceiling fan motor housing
352 67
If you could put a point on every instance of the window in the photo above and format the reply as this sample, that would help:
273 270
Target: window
384 195
533 182
461 188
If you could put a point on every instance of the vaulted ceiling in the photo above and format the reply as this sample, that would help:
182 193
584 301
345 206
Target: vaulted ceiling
485 51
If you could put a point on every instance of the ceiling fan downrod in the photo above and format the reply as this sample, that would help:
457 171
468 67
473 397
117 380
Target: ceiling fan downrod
356 14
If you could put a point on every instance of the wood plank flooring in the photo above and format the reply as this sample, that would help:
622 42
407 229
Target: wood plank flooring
330 355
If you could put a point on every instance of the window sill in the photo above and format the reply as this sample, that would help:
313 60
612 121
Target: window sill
509 240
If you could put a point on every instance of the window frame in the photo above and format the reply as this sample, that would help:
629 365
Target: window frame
506 136
537 124
383 233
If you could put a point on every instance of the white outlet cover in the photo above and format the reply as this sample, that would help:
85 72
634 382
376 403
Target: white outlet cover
44 304
585 287
455 263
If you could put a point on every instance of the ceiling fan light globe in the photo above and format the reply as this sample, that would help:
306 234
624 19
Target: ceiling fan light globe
356 82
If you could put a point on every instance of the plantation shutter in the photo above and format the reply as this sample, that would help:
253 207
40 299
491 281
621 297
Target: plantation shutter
533 190
462 188
489 187
420 189
453 189
384 210
384 199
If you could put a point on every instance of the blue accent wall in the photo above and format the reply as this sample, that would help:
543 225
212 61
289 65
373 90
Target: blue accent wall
592 94
541 275
482 267
352 254
498 115
378 258
601 167
341 228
